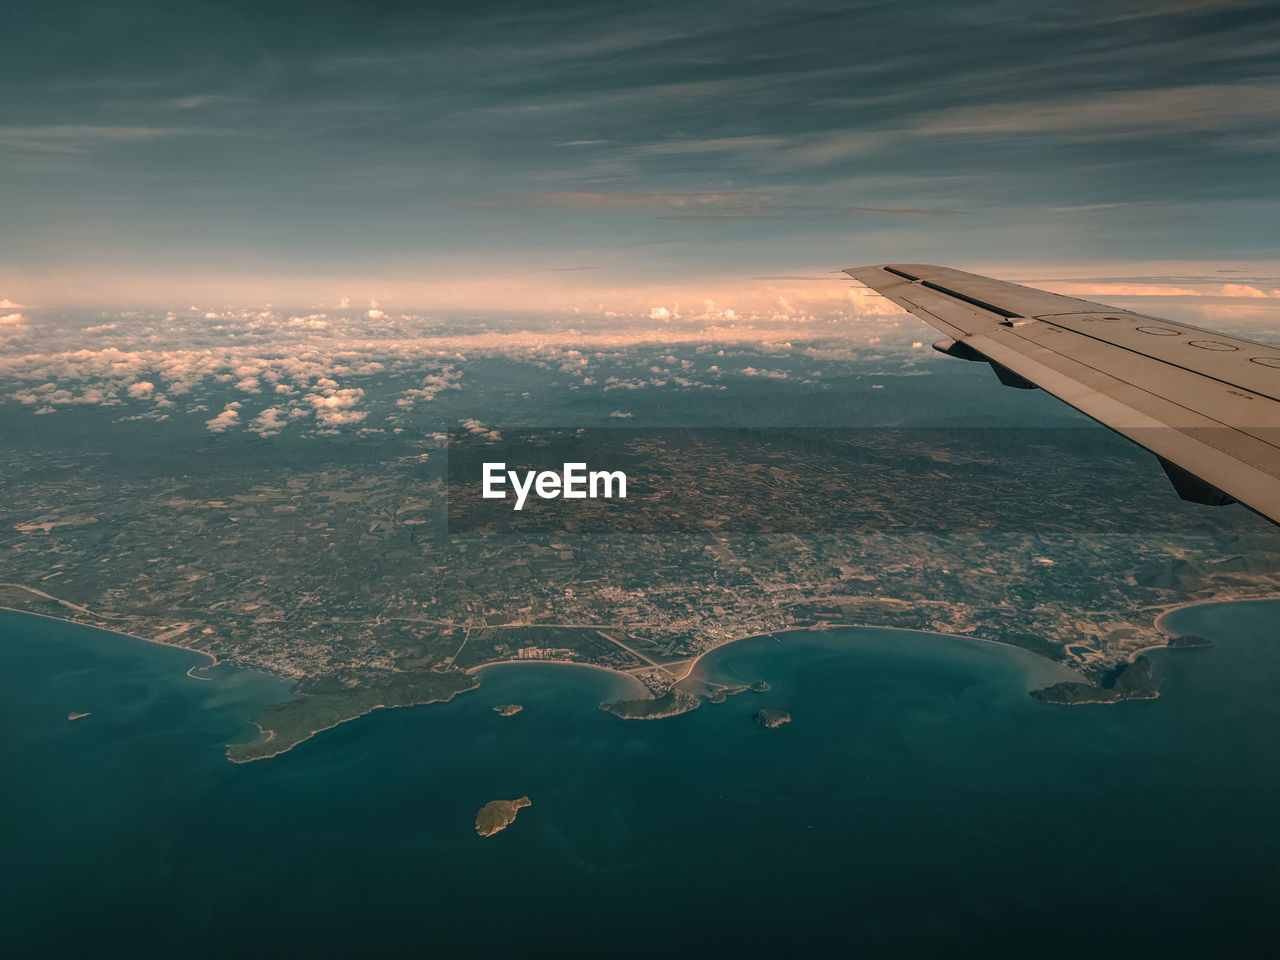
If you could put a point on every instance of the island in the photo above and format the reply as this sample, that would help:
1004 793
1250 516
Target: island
772 718
760 686
496 815
76 716
508 709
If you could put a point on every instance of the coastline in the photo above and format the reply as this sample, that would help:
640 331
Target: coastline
622 675
1040 659
1174 608
1171 609
692 674
271 734
213 660
687 676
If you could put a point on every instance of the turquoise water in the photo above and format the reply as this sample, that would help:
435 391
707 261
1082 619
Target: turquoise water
920 801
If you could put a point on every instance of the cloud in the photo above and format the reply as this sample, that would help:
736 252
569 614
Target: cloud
226 420
334 407
269 422
432 385
325 376
71 138
836 146
1198 108
737 204
1122 289
478 429
727 201
714 145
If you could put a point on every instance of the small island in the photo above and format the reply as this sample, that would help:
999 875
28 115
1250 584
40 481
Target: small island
76 716
508 709
1189 640
760 686
723 692
496 815
772 718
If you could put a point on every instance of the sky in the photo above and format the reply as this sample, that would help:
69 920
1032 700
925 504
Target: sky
600 156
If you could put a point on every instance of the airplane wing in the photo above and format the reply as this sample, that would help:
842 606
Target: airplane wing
1206 404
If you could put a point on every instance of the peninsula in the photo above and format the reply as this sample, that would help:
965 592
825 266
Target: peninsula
668 705
1138 680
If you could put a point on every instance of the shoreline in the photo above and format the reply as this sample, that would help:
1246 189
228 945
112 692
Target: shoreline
827 626
1174 608
1169 610
621 674
214 661
692 665
271 734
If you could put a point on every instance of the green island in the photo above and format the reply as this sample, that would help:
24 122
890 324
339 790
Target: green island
772 718
508 709
496 815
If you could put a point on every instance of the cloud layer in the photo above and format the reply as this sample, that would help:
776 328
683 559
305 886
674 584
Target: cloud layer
204 153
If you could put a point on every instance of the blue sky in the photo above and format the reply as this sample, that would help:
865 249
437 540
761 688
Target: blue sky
498 154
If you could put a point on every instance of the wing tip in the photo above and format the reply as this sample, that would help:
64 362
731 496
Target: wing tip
854 271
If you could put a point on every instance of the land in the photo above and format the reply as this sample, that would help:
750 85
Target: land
669 704
772 718
322 704
496 815
341 576
1139 679
1190 640
507 709
76 716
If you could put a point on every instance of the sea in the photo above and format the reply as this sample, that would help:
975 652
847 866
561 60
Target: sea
919 803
